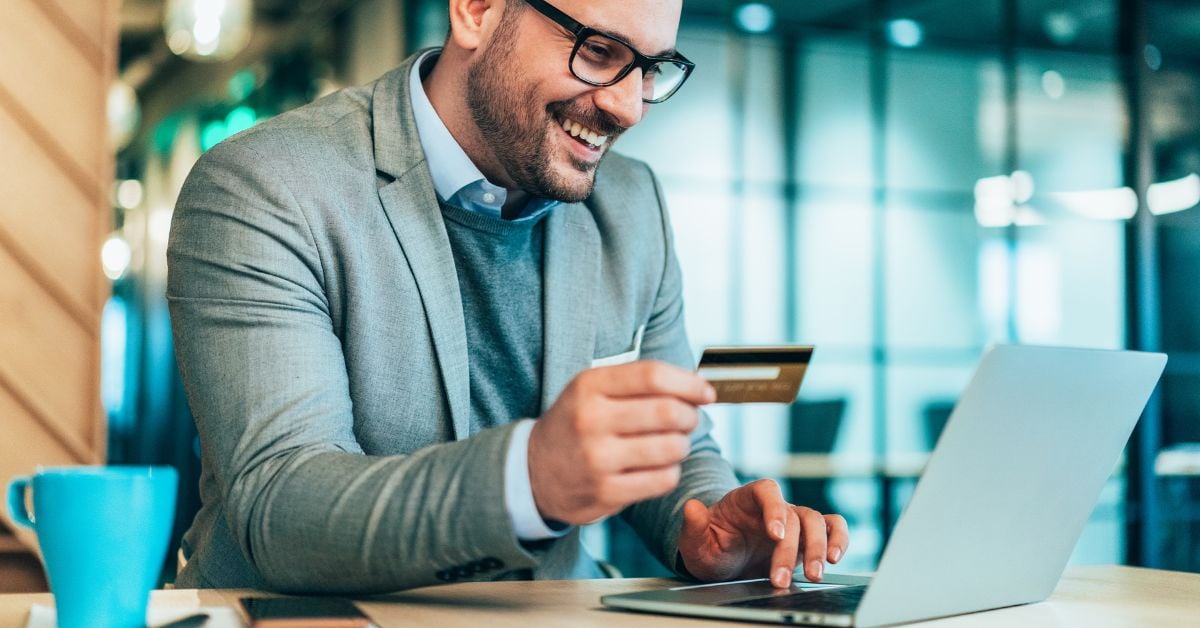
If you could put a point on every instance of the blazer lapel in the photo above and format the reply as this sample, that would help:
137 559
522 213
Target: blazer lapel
411 206
571 278
422 236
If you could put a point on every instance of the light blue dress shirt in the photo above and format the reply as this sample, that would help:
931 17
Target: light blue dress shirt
459 182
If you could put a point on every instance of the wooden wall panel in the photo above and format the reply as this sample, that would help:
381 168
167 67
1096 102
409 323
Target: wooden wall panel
22 425
46 353
51 81
20 570
41 213
84 20
57 59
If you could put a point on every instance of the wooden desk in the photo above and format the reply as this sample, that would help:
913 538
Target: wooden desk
1086 596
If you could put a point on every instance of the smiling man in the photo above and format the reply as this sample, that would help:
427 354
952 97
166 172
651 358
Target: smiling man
428 327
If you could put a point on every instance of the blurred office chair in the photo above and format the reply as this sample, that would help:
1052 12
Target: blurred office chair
935 414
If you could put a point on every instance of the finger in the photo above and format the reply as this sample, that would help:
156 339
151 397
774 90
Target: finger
774 508
635 486
651 377
813 530
695 522
839 536
783 559
653 414
650 451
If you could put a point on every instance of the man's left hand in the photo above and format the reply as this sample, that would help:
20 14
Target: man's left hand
752 532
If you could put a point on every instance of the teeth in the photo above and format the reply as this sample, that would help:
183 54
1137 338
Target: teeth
584 133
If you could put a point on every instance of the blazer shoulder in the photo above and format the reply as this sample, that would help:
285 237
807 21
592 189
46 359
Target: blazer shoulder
620 171
336 127
627 193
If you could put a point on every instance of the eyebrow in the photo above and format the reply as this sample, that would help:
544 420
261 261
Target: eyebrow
669 52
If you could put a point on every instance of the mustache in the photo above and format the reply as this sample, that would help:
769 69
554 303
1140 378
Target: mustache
599 121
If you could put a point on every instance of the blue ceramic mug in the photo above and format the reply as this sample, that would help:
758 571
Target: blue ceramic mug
103 533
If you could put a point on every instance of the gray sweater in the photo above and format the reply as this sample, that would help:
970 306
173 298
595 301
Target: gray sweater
499 267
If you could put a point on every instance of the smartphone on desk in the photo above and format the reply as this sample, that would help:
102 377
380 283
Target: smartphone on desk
306 612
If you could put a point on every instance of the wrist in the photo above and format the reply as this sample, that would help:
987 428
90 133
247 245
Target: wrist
527 522
533 468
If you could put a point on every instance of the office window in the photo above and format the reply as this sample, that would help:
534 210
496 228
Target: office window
938 103
834 138
931 277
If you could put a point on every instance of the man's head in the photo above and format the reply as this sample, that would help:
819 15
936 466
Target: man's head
541 128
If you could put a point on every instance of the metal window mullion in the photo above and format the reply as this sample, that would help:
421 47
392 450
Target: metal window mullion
1143 303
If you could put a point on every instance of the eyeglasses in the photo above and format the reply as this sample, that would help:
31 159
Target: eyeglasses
602 60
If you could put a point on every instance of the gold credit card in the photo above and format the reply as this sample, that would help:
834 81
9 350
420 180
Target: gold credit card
755 374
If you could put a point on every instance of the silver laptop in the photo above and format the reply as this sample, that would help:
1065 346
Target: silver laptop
996 514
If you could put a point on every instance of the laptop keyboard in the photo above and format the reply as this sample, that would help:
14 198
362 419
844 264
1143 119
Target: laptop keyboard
839 600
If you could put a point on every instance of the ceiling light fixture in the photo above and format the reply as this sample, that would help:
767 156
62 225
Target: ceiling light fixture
754 17
905 33
1062 27
1169 197
208 30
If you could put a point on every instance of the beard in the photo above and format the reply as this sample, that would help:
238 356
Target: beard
503 104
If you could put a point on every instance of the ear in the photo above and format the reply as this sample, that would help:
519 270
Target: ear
472 21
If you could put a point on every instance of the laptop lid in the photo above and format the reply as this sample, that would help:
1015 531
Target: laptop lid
1013 480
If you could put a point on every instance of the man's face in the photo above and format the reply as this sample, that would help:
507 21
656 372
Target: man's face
522 94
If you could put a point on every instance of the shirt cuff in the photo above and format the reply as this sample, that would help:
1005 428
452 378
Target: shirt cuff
518 492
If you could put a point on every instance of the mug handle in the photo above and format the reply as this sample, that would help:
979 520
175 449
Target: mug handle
16 501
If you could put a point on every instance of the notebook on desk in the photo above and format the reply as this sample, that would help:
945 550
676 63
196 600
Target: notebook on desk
996 514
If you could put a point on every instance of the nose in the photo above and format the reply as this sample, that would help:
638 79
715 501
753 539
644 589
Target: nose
623 99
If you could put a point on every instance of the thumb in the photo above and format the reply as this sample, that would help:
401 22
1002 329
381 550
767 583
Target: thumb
695 520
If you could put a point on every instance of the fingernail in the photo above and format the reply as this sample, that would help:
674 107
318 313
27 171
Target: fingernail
778 530
710 394
837 555
818 567
783 578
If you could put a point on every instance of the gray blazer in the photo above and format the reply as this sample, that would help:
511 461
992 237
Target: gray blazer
320 334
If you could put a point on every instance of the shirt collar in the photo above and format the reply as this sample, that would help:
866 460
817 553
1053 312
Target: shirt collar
456 178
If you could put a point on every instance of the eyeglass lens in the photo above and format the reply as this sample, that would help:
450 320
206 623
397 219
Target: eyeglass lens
600 59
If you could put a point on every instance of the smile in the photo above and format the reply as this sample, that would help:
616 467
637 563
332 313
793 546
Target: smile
584 134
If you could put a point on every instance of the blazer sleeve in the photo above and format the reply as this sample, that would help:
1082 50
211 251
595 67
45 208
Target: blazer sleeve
706 475
267 383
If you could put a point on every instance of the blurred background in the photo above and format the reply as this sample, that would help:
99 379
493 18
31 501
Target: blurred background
898 182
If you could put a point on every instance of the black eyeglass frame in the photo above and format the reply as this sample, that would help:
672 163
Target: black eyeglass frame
640 61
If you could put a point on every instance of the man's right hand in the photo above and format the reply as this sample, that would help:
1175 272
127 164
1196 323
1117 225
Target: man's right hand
616 435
